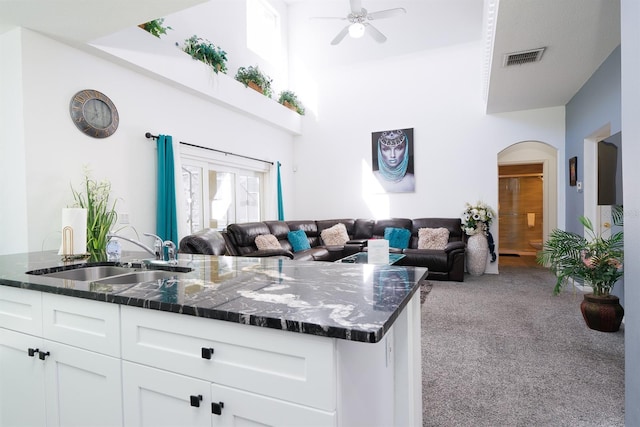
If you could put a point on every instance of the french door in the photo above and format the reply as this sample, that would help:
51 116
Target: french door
217 195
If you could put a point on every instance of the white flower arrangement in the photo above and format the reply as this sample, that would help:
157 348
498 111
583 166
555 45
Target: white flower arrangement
477 218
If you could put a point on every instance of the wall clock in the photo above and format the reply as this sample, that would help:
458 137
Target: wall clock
94 113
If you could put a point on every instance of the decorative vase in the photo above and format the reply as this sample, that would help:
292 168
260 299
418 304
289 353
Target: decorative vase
602 313
477 254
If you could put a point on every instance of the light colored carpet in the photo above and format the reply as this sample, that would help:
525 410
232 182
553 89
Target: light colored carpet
501 350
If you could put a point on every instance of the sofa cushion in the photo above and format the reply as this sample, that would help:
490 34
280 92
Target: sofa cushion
267 241
397 237
433 238
299 241
336 235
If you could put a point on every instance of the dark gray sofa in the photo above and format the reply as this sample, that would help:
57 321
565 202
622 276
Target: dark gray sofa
445 264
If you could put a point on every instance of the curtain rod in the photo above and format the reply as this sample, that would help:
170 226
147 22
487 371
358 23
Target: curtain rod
226 153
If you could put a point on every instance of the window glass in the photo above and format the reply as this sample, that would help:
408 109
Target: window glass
263 29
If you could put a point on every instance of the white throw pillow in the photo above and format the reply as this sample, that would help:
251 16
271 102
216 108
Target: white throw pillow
433 238
267 241
336 235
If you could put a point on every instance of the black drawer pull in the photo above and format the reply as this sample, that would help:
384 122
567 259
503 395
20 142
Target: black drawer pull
206 353
42 355
216 408
32 351
195 400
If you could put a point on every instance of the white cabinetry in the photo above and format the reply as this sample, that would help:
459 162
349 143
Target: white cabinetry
232 372
50 371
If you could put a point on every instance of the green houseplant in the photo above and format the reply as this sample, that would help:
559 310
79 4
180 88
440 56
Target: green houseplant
593 260
156 27
290 100
101 214
253 77
205 51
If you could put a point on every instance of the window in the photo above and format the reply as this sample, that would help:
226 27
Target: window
263 30
219 194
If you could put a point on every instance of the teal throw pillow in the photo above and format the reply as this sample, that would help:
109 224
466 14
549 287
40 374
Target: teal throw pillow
298 240
397 237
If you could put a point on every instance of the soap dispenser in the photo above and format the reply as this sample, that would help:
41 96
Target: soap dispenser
114 250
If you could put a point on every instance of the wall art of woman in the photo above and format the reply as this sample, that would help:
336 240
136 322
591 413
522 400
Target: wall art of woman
392 160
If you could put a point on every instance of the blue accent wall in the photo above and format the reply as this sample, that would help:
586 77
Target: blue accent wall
597 103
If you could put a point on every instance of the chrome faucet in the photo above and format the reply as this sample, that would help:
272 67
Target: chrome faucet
156 253
171 252
157 246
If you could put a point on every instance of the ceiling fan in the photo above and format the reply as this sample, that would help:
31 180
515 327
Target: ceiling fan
359 19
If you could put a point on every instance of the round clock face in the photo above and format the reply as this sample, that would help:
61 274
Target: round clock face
94 113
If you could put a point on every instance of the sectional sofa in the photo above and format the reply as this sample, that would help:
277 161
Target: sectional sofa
445 260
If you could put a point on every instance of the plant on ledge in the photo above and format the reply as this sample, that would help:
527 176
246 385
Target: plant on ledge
101 214
155 27
205 51
252 76
290 100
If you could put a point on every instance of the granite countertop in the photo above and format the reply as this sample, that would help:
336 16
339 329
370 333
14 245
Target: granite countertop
357 302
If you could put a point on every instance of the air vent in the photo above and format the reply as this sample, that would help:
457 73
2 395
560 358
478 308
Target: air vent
524 57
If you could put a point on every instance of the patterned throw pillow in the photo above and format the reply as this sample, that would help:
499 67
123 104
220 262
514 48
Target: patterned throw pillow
397 237
433 238
336 235
267 241
299 241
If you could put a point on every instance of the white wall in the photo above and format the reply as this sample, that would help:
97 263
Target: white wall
13 192
56 151
630 32
438 93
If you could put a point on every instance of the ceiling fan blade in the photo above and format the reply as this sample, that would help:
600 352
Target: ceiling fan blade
328 17
337 39
356 6
373 31
389 13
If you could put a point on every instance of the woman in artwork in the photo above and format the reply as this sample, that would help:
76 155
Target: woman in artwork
393 162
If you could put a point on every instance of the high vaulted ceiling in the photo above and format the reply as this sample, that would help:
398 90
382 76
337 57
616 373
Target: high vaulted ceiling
578 35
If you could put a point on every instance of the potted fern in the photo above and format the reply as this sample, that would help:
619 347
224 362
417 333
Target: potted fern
254 78
290 100
594 260
205 51
155 27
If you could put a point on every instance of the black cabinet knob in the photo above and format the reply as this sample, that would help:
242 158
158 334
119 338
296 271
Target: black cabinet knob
206 353
32 351
195 400
43 355
216 408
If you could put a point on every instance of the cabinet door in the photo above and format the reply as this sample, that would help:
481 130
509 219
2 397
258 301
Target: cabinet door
157 398
240 408
21 381
82 388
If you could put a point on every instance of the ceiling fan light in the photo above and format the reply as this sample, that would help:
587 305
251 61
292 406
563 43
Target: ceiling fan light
356 30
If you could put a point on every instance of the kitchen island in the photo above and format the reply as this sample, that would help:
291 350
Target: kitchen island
233 339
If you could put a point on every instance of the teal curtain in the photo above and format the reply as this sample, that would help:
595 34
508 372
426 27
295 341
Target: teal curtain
280 204
166 215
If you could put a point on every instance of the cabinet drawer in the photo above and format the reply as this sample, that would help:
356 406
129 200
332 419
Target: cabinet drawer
21 310
92 325
290 366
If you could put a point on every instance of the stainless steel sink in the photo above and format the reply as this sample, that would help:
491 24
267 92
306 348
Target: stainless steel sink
139 277
89 273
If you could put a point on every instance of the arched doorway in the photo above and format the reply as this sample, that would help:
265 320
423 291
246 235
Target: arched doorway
538 162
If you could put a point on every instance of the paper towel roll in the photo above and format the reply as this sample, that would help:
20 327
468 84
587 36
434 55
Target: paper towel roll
74 232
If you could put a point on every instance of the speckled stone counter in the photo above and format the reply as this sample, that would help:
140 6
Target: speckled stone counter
357 302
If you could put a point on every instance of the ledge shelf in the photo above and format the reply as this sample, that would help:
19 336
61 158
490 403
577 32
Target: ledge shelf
140 51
